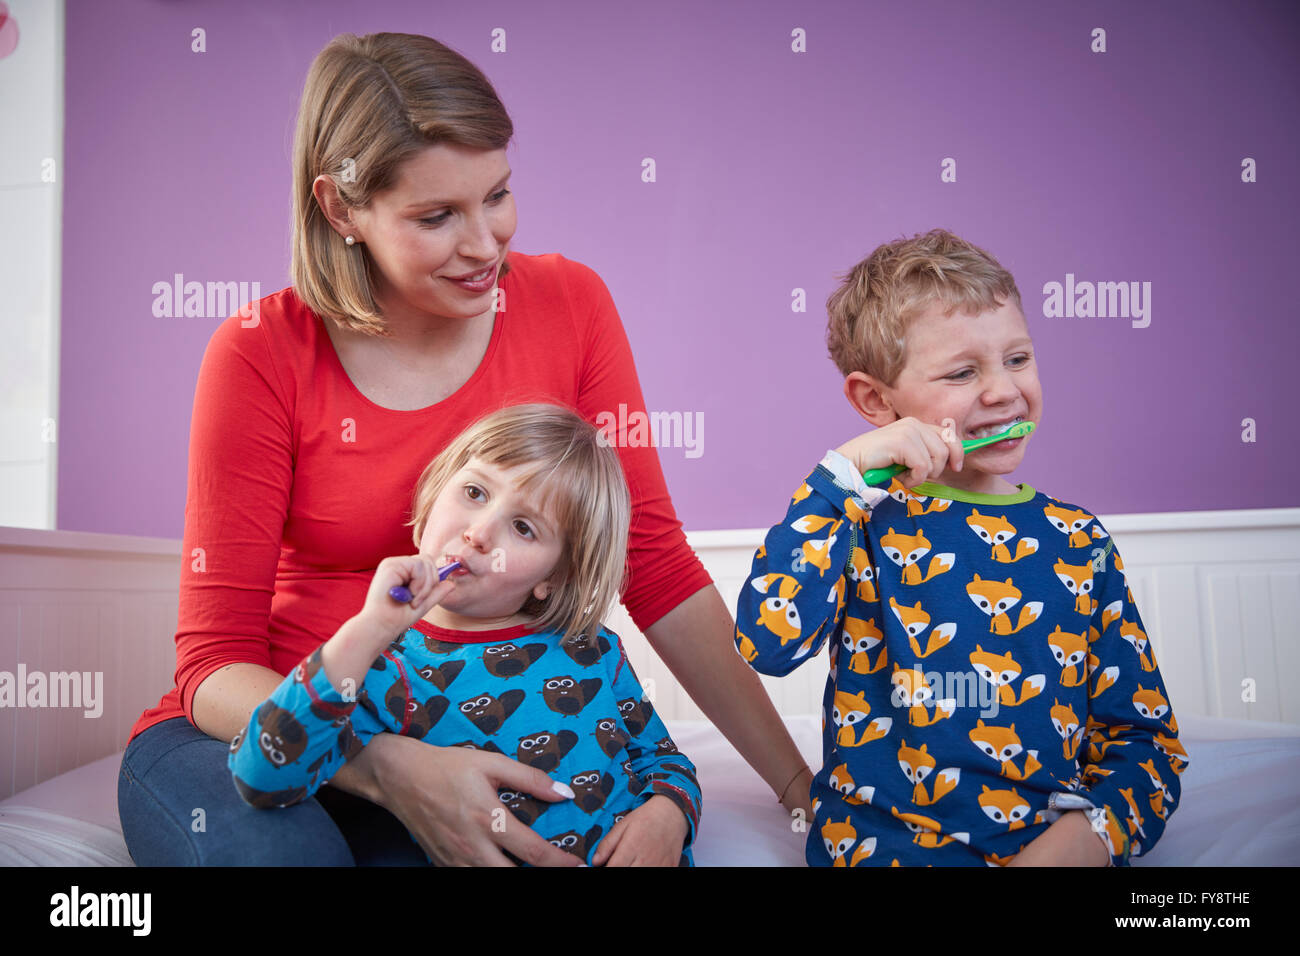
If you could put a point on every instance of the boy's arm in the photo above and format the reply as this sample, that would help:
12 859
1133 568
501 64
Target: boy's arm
653 755
795 593
298 738
1131 756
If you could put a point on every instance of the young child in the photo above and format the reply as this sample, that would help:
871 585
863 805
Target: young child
507 655
992 694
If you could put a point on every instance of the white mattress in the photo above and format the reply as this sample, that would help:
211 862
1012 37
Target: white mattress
1240 804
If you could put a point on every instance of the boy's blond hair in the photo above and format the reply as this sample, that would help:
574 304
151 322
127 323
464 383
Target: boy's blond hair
577 478
869 313
370 104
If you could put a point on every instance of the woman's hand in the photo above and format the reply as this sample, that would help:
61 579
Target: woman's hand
1070 841
446 798
651 835
797 796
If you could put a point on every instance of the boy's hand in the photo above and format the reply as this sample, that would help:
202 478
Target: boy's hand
419 575
925 449
651 835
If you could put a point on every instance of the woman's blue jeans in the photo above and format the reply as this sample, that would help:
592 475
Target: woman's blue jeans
179 807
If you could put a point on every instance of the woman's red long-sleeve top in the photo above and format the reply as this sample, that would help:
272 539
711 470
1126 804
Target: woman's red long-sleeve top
299 485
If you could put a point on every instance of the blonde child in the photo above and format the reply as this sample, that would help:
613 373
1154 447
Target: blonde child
993 697
507 654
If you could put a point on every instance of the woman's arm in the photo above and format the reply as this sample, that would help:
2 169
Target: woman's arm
1070 841
696 641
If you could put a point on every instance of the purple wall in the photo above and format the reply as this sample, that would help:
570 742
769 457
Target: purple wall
776 170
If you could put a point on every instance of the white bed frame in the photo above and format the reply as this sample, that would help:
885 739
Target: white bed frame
1219 592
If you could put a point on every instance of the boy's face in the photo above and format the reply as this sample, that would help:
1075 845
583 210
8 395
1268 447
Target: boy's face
967 372
507 546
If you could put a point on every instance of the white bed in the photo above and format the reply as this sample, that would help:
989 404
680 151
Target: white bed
1240 804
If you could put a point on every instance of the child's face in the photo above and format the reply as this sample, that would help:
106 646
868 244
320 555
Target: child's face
507 545
969 371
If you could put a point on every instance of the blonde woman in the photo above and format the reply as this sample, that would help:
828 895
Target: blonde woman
312 417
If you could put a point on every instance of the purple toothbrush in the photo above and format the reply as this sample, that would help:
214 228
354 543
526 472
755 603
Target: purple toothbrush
402 595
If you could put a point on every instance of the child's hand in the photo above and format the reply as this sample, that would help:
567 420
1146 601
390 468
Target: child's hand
925 449
651 835
420 576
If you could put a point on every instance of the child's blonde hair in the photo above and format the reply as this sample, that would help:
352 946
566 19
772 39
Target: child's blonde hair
370 104
870 312
578 478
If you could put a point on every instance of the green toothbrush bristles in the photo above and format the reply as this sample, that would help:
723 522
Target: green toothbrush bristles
1018 430
1021 429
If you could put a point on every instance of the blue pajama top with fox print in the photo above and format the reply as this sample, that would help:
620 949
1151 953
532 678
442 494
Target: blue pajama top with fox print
573 709
988 671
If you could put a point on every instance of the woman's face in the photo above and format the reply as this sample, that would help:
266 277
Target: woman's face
449 216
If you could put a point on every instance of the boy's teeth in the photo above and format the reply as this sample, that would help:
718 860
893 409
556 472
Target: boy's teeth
995 429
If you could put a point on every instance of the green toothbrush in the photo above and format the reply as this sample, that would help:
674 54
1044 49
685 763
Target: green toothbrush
878 476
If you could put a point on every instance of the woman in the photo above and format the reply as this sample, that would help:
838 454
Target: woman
408 318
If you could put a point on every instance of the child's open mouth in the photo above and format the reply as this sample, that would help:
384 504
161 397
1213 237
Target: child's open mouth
986 430
459 572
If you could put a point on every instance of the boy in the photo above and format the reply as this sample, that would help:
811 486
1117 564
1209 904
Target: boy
992 694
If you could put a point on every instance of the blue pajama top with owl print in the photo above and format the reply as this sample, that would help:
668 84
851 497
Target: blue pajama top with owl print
572 709
988 671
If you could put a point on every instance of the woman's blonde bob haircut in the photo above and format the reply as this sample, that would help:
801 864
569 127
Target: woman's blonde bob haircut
576 477
370 104
870 312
